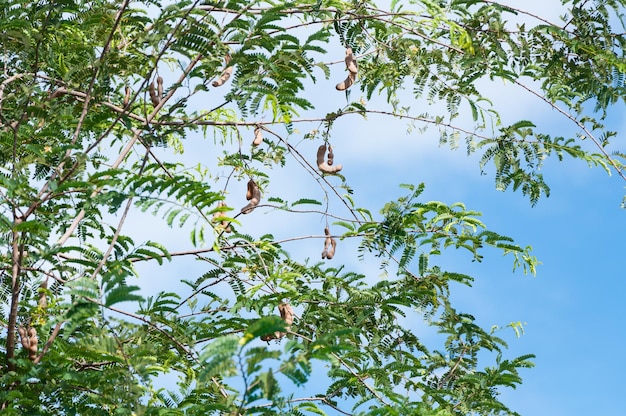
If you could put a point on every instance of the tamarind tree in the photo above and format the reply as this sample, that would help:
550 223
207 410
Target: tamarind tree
100 104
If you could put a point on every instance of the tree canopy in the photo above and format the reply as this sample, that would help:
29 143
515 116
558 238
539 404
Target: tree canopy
99 102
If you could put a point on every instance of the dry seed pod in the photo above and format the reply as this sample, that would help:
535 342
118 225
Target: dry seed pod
329 245
225 75
322 165
24 338
258 137
286 314
159 88
217 215
29 340
253 194
126 96
153 95
32 350
347 83
351 62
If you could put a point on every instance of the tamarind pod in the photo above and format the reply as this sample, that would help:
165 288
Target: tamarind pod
329 245
258 137
32 350
153 96
225 75
253 194
126 96
347 83
321 151
159 88
322 165
225 224
250 189
24 338
286 313
326 254
351 62
331 156
330 253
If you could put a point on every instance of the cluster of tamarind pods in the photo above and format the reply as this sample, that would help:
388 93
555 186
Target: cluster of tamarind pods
325 163
29 340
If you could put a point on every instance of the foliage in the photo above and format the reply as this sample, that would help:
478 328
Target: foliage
84 145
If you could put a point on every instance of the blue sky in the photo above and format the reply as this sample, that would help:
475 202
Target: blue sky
572 310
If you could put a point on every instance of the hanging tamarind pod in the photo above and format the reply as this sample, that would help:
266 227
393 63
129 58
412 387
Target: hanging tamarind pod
24 338
352 68
29 340
329 245
153 95
323 165
225 224
160 88
126 96
253 194
351 62
286 314
225 75
258 137
32 350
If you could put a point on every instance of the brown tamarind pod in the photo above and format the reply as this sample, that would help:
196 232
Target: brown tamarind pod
126 96
347 83
329 245
32 350
331 251
253 194
225 75
24 337
159 88
324 166
249 190
286 314
258 137
225 224
153 95
351 62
